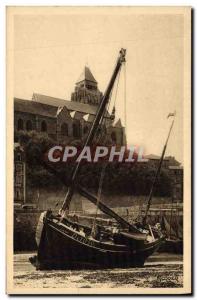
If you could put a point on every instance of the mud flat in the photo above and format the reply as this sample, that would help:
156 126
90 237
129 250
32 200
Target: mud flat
161 270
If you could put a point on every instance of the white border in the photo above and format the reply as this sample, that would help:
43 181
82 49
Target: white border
3 97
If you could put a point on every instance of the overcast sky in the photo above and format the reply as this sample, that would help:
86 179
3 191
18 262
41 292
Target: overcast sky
50 51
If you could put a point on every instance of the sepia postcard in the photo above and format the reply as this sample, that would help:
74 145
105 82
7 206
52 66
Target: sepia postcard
99 150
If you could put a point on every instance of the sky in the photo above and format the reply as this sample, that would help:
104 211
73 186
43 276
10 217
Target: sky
51 50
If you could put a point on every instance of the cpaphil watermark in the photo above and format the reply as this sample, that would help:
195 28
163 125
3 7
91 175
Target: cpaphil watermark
95 154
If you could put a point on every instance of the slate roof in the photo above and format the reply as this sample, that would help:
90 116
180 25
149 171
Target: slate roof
86 75
154 157
34 107
70 105
50 107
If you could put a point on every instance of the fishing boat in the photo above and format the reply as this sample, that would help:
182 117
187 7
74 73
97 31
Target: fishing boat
174 234
63 243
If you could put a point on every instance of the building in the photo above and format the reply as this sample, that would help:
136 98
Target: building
173 168
86 89
153 161
176 174
65 121
19 174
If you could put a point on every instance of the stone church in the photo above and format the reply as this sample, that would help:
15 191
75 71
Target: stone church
65 121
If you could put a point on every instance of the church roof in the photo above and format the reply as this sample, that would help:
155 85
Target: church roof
86 75
70 105
76 115
33 107
118 124
88 118
50 107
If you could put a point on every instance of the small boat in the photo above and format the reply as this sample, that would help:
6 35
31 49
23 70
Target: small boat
174 236
64 244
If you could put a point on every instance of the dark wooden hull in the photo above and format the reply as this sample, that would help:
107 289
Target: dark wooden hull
60 247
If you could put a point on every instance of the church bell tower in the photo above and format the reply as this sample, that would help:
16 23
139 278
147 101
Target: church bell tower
86 90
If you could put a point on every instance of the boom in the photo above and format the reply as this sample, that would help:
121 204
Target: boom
107 210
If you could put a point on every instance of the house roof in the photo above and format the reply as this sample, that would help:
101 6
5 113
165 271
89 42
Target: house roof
175 167
34 107
153 157
86 75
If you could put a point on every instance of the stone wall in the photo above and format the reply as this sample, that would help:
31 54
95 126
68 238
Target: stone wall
48 198
25 222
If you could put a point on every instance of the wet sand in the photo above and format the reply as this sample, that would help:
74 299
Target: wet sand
160 271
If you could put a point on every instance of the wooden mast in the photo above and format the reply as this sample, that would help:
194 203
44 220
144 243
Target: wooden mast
95 125
157 175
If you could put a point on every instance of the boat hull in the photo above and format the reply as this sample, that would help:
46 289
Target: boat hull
62 248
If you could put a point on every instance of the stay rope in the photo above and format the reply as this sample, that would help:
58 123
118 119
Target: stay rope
98 197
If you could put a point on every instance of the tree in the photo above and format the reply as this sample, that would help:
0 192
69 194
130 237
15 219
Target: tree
120 178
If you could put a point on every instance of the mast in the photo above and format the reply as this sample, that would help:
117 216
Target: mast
157 175
98 117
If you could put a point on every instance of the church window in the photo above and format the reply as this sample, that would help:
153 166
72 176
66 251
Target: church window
76 130
85 130
20 124
29 125
64 129
113 136
43 126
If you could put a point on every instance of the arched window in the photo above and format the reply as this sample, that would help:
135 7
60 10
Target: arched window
29 125
64 129
20 124
85 130
76 130
113 136
43 126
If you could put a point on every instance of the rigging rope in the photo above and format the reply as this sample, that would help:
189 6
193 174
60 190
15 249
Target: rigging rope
98 198
103 120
